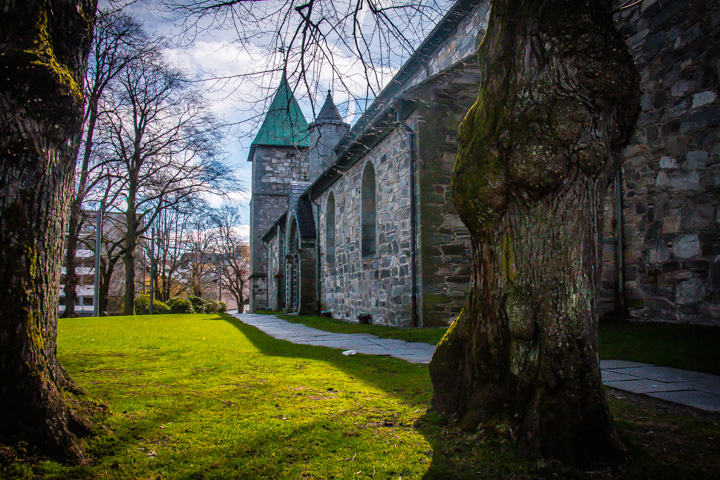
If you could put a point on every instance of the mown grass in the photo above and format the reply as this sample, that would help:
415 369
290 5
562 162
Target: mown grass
207 397
689 347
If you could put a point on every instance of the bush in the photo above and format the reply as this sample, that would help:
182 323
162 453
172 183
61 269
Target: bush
180 305
198 304
142 306
215 306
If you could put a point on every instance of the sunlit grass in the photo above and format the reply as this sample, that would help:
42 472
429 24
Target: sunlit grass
206 397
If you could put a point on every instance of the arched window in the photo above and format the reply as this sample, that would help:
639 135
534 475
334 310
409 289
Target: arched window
368 211
330 230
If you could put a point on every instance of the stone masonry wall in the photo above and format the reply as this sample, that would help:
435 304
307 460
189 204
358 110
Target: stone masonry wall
273 170
671 174
275 279
446 250
462 42
379 284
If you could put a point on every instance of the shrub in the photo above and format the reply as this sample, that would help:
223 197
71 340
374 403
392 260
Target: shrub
180 305
142 305
197 303
215 306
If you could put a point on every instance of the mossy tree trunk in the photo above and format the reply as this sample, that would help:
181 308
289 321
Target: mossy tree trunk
43 50
557 103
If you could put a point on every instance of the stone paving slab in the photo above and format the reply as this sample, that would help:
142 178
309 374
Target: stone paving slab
663 374
644 385
614 376
712 387
691 398
615 364
698 390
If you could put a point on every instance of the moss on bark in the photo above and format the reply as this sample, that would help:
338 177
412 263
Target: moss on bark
557 103
43 46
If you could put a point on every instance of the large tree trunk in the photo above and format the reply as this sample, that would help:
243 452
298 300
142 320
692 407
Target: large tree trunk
557 103
43 48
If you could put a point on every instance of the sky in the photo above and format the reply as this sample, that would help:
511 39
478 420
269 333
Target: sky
224 67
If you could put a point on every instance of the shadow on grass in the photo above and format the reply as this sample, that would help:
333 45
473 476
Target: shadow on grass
455 455
405 381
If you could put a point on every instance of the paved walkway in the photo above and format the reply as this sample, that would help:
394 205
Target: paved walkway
693 389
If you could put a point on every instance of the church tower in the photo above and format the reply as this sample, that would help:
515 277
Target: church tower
277 156
325 133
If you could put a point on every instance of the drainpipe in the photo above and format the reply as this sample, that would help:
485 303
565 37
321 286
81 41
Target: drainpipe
414 317
621 300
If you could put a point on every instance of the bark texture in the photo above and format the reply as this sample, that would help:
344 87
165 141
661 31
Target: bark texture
557 103
43 49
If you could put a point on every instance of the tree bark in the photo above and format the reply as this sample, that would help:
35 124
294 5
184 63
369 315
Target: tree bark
129 256
43 49
557 103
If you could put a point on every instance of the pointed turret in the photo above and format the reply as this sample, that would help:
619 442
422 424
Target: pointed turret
329 114
325 133
284 124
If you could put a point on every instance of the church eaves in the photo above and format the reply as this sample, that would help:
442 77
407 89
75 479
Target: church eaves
284 124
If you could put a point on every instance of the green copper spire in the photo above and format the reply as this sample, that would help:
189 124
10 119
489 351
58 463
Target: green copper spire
284 124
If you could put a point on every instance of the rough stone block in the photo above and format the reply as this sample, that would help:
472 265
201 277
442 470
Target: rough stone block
658 253
689 181
668 162
703 98
696 159
687 246
671 224
690 291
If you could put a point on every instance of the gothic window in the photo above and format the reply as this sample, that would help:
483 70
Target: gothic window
368 210
330 230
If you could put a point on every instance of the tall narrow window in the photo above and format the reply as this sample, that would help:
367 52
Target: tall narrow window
330 230
368 210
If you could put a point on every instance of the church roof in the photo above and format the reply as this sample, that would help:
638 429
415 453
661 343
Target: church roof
284 124
329 113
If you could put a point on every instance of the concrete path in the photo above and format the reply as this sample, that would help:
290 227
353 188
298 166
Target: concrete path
366 343
693 389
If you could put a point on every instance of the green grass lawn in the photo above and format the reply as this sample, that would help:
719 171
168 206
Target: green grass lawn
206 397
690 347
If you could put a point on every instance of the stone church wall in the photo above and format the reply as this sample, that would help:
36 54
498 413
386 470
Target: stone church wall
671 174
379 284
276 293
463 41
273 168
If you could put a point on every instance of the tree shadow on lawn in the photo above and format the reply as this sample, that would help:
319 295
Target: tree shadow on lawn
490 453
455 454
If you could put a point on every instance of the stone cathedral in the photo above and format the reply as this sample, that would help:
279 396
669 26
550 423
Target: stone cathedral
358 221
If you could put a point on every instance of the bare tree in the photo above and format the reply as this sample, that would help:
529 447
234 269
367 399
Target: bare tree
171 230
200 252
164 145
118 40
43 51
355 45
233 253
